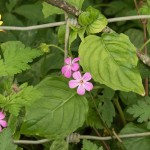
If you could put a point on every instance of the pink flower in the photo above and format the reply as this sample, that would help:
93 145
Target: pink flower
3 123
70 66
81 82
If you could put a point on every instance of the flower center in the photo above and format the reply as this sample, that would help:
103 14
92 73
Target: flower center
81 81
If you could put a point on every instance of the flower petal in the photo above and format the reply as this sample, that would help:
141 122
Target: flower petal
87 76
77 75
81 90
73 83
2 115
75 60
88 86
75 66
3 123
68 61
66 71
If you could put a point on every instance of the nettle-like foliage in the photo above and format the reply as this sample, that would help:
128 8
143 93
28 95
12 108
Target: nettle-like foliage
41 97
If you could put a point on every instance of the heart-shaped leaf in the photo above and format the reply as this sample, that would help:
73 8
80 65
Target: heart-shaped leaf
112 60
60 112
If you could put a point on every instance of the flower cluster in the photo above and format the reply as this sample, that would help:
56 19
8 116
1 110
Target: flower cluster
3 123
71 68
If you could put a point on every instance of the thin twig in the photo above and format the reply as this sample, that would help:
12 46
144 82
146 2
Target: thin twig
117 137
134 135
103 142
31 142
128 18
35 27
66 36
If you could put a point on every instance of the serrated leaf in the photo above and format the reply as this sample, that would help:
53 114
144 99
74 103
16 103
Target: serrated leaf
16 58
93 119
141 110
88 145
58 113
93 20
25 97
140 143
112 60
6 141
107 111
49 10
59 145
30 11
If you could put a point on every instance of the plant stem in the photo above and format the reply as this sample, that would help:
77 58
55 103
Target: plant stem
52 45
117 104
104 143
142 47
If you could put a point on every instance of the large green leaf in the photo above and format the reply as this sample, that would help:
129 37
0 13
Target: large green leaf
6 141
140 143
60 112
16 57
112 60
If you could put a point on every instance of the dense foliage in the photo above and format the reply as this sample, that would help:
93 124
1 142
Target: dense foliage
100 88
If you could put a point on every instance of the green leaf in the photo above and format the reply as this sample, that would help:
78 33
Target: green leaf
25 97
93 20
141 110
76 3
88 145
30 11
16 56
93 119
58 113
6 141
11 4
140 143
132 33
145 10
59 145
61 34
72 37
50 10
112 60
107 111
128 98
